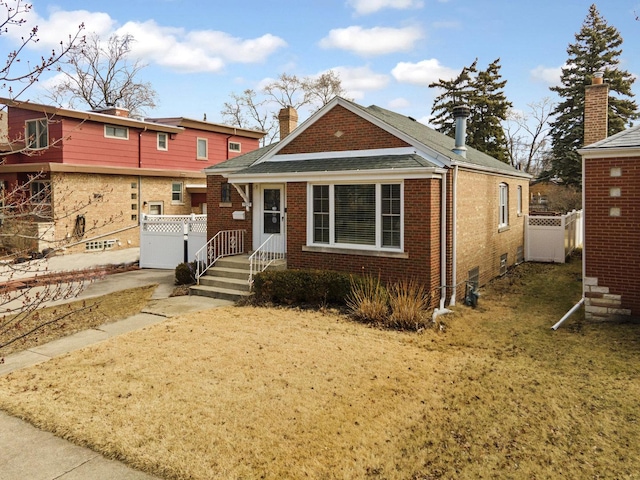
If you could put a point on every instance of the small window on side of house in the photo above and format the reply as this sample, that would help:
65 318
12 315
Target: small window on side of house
41 192
519 199
37 134
115 131
503 206
225 193
162 141
202 152
176 193
235 147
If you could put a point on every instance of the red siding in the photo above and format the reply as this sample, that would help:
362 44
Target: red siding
612 243
83 143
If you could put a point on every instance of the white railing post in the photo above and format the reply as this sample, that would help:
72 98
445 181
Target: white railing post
222 244
271 250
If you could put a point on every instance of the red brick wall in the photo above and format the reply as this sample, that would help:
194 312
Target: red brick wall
220 215
612 243
421 239
341 130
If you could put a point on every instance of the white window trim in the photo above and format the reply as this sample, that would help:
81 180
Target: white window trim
181 200
238 150
519 200
206 148
503 205
350 246
166 141
159 204
38 122
106 135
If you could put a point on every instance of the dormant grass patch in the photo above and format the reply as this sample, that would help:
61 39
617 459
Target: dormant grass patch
245 392
50 323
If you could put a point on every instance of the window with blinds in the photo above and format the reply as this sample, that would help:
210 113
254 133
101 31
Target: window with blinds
369 215
355 214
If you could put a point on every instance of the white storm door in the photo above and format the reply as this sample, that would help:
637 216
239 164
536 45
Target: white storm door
272 216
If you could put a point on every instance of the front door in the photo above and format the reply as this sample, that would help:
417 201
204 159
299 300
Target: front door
272 215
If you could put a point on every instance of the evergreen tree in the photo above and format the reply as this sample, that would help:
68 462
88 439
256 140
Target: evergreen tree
596 48
482 92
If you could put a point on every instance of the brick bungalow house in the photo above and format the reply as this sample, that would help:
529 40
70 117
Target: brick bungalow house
367 190
114 167
611 199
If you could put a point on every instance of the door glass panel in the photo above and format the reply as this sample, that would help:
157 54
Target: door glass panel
271 221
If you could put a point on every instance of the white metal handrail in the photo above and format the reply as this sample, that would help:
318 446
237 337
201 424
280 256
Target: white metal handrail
223 244
271 250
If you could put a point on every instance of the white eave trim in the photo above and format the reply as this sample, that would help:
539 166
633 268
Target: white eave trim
347 175
392 152
604 152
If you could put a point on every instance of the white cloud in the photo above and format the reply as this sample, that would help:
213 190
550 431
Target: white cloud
366 7
548 75
423 73
358 80
198 51
59 26
372 41
174 48
399 104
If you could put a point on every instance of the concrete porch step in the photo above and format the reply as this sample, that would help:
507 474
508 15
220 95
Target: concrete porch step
218 292
240 284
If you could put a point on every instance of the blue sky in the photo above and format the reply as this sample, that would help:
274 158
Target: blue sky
385 51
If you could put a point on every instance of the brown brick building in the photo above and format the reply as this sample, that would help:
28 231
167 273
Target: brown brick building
611 199
82 180
367 190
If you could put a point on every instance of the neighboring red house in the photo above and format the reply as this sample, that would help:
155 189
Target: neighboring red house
367 190
123 167
611 199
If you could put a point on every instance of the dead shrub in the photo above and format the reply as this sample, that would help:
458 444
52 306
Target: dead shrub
368 300
409 302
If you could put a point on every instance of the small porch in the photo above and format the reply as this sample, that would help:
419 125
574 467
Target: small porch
225 268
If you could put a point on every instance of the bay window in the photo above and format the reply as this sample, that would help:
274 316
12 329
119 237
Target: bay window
348 215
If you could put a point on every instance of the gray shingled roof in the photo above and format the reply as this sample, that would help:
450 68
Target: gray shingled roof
440 142
424 135
241 161
379 162
625 139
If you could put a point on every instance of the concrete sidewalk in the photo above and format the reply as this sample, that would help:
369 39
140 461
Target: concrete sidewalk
30 453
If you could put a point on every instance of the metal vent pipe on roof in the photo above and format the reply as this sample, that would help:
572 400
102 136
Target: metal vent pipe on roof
460 114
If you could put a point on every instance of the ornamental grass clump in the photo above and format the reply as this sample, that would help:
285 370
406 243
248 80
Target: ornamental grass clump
369 300
409 302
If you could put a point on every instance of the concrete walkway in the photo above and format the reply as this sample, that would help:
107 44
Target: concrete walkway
29 453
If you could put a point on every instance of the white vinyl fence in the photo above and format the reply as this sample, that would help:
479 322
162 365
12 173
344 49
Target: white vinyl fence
167 240
552 238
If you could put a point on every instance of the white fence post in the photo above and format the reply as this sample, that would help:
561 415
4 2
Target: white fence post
162 242
552 238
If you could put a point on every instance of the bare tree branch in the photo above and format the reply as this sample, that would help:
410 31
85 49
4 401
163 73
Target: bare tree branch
100 75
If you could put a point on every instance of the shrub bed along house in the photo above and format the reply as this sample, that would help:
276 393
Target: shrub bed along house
402 305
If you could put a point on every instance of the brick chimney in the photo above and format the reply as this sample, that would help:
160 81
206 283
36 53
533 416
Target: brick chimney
288 118
596 110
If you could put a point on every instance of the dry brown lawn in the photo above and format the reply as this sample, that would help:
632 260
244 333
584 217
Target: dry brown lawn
65 319
246 392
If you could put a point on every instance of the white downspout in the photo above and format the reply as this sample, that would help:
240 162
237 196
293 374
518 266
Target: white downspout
584 259
454 236
443 242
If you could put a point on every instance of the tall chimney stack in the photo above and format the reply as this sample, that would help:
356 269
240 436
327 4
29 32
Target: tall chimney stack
461 113
596 109
288 118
